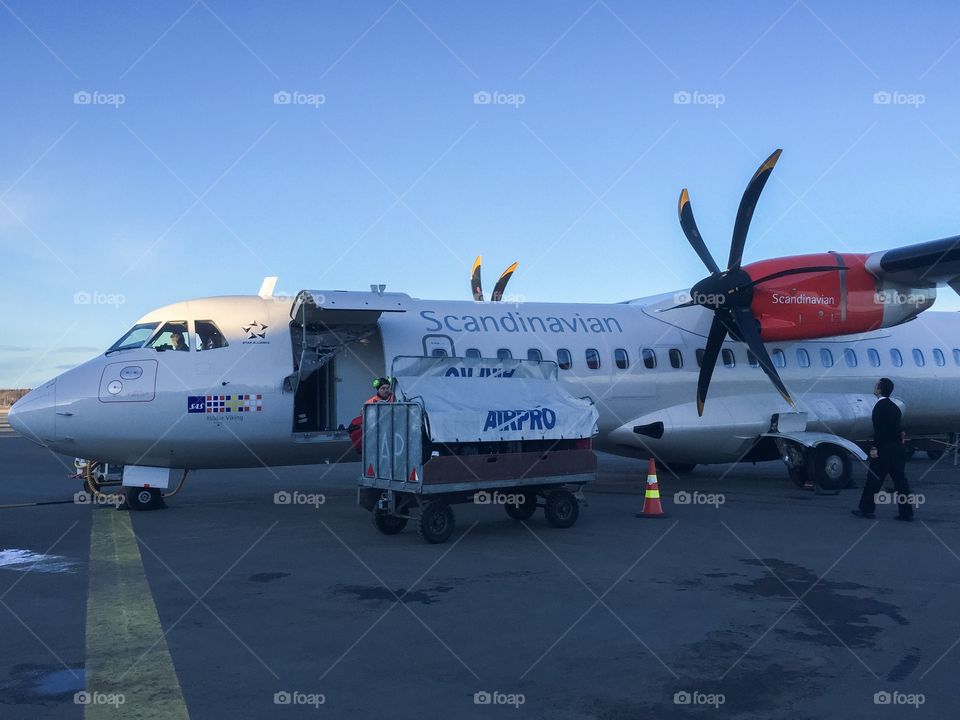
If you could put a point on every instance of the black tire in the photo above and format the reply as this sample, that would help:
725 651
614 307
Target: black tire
139 498
911 450
526 509
562 509
388 524
934 454
436 522
829 467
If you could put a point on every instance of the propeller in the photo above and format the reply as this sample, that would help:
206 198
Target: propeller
476 286
502 283
729 293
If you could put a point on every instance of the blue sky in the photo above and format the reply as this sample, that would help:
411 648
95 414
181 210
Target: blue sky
182 177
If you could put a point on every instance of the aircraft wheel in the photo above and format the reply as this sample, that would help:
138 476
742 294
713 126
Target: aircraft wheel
562 508
388 524
524 510
911 450
436 522
830 468
934 454
139 498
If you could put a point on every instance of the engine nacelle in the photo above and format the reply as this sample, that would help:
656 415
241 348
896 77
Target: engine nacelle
826 303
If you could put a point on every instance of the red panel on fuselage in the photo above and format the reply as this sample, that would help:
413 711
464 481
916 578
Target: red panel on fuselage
818 304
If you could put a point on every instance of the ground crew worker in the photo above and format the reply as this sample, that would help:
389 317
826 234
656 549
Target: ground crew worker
887 456
384 387
384 394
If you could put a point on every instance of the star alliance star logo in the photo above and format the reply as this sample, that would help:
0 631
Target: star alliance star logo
255 330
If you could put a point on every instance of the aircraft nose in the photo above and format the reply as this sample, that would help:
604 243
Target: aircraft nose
34 415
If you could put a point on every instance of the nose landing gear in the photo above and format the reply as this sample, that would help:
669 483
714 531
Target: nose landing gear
97 475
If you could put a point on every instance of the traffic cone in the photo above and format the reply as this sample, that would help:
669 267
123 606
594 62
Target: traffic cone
651 499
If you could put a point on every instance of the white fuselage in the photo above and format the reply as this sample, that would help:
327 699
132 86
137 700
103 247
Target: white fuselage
234 406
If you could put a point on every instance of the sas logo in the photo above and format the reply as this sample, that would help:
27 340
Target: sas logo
539 419
224 403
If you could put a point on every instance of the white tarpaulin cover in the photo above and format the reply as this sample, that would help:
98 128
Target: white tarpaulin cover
492 403
419 366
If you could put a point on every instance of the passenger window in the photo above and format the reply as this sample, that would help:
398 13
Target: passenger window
649 358
752 360
779 359
473 353
564 359
208 336
593 359
938 357
896 358
621 358
438 352
956 356
676 358
918 357
850 356
172 336
729 359
504 354
534 354
874 357
826 357
803 358
699 353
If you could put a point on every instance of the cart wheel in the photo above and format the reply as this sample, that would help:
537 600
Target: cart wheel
562 508
139 498
524 510
436 522
388 524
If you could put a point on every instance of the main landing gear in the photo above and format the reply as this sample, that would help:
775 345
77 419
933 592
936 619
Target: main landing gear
825 467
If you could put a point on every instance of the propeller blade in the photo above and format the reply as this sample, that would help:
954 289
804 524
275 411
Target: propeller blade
502 283
748 204
718 331
689 225
746 326
475 286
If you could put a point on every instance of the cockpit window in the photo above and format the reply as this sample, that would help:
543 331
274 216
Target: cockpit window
208 336
172 336
135 337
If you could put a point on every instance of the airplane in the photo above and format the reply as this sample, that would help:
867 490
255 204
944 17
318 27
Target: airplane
264 380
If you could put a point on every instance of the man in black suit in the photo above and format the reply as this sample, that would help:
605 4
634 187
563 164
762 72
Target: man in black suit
887 456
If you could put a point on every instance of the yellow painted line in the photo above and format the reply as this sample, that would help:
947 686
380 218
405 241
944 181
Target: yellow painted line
124 631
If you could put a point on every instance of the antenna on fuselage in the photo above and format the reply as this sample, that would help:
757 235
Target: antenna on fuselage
267 287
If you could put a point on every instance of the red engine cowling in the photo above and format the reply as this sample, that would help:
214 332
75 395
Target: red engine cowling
826 303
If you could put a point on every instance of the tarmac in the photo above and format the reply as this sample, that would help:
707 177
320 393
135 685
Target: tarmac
752 599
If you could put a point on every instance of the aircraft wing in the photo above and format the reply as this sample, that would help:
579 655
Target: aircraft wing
923 265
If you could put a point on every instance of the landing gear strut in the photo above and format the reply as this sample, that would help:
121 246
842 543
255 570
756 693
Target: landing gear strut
96 476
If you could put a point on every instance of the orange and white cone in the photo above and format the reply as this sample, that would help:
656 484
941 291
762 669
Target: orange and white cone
651 499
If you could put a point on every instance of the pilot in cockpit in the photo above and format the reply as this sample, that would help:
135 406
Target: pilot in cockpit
177 342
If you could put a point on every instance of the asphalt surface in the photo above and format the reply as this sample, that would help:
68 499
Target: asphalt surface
775 603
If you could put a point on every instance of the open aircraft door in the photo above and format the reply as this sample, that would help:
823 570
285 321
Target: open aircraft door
336 347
